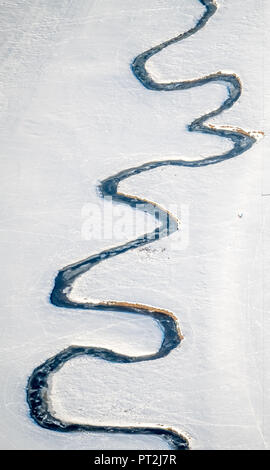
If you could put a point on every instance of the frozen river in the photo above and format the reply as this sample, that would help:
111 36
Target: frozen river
75 116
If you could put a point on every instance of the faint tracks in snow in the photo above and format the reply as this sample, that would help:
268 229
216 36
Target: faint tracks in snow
38 386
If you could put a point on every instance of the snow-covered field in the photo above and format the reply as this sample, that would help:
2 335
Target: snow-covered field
73 114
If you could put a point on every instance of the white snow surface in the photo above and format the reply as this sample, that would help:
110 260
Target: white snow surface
72 114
